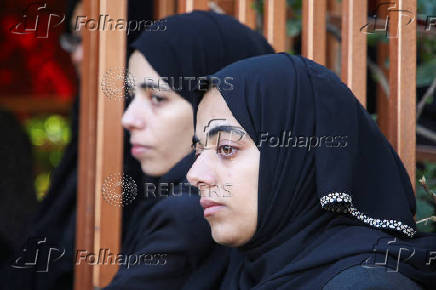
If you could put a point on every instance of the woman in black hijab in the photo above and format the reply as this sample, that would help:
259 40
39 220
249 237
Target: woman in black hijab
318 199
170 229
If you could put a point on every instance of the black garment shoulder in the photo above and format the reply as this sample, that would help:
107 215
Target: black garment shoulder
358 278
175 232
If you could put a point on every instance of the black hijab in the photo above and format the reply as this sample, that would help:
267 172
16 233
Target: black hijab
197 44
324 208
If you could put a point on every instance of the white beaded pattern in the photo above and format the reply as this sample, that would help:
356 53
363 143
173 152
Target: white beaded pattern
341 202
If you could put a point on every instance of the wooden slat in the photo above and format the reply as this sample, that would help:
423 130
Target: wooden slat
227 6
246 13
112 51
275 23
163 8
425 153
314 30
402 83
87 149
384 121
181 6
333 45
353 72
186 6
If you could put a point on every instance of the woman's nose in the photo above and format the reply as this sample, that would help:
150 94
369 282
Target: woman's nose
201 171
132 120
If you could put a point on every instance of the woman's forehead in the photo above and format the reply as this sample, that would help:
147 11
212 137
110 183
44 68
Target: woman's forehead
212 107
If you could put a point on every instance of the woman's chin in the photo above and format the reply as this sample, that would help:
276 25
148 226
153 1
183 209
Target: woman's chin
226 237
153 170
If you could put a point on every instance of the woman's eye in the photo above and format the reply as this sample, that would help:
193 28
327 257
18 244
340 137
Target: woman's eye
155 99
226 151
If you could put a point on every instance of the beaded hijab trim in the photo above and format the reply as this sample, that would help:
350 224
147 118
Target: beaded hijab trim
341 202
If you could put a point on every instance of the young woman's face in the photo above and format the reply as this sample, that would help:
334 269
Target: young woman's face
159 120
226 172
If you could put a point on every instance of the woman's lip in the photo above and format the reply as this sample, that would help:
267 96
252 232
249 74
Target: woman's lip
210 207
139 150
212 210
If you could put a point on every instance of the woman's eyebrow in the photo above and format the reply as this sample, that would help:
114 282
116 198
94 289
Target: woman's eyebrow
149 85
157 87
216 130
225 128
